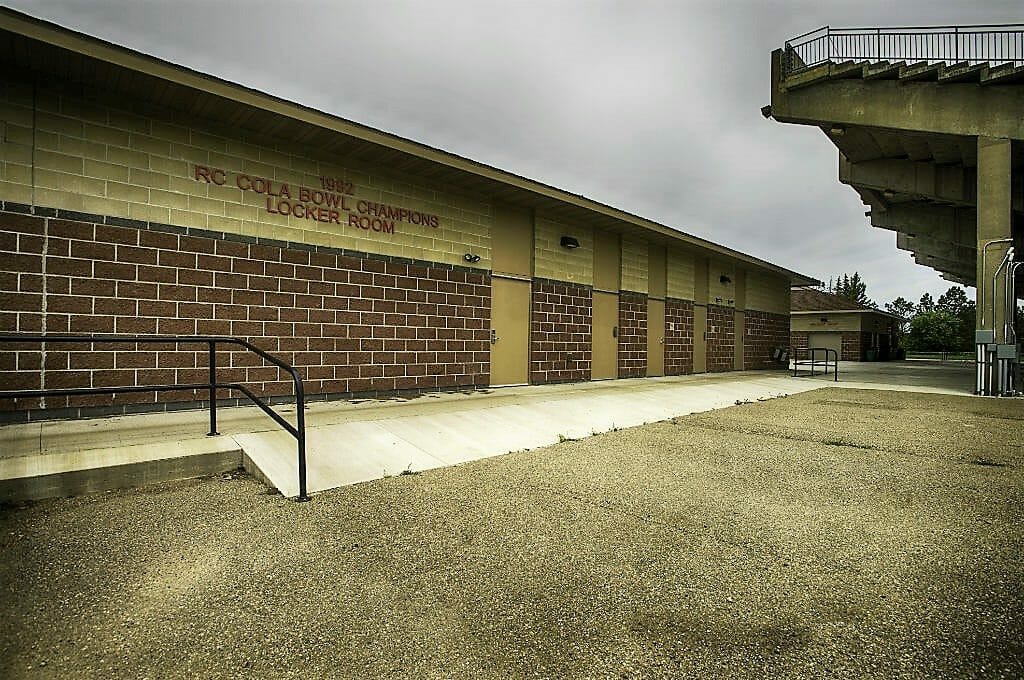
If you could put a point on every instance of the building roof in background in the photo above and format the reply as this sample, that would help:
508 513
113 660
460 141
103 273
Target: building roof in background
814 300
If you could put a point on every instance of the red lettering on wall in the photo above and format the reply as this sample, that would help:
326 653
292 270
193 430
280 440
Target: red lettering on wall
208 175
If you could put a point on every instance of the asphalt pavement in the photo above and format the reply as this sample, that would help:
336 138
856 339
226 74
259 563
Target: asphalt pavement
834 533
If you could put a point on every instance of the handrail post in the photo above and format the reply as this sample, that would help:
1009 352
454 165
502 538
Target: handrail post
213 389
300 421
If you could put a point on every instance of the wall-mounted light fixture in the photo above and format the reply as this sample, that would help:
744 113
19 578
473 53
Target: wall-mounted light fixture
888 194
471 257
725 279
570 242
837 131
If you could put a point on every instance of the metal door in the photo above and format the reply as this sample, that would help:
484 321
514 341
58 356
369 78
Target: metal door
510 331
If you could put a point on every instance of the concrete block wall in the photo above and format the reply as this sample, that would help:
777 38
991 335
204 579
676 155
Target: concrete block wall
103 156
553 262
764 332
353 323
560 332
721 355
681 272
632 355
678 336
768 293
634 265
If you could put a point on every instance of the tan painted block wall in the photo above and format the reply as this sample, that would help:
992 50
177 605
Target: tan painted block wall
716 289
767 292
552 261
96 157
634 265
680 275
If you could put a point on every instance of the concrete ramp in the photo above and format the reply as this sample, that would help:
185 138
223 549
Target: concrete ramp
374 442
354 441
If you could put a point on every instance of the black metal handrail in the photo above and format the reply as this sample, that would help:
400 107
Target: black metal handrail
812 361
298 430
992 43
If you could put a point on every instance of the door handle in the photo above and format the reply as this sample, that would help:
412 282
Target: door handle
494 335
615 331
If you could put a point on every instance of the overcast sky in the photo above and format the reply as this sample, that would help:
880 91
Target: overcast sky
652 107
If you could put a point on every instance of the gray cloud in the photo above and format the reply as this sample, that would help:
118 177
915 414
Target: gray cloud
652 107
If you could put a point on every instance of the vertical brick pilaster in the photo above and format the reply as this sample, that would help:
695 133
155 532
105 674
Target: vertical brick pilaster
632 356
678 336
721 338
560 331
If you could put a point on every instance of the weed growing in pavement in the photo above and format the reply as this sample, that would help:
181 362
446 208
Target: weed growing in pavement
988 462
409 471
843 442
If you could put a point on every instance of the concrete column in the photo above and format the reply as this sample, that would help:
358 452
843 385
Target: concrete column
994 224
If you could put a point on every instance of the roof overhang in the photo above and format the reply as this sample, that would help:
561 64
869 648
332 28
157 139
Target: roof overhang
33 45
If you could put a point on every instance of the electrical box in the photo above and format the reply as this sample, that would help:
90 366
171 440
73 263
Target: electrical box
1006 352
984 337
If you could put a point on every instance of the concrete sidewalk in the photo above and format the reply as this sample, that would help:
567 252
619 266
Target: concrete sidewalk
361 440
354 441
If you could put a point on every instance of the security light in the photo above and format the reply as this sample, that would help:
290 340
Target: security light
570 242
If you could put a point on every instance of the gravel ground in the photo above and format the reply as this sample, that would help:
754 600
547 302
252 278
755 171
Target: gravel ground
837 533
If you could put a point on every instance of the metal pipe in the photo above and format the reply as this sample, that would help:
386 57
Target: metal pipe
1006 258
1010 301
981 279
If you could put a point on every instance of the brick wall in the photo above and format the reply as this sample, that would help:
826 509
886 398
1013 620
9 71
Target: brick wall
721 338
632 354
764 332
560 332
799 340
855 345
678 336
352 323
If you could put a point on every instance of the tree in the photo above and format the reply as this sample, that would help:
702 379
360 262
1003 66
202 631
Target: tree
927 304
904 309
853 289
934 331
953 301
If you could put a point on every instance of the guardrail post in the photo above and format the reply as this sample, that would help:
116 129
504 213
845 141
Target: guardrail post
213 389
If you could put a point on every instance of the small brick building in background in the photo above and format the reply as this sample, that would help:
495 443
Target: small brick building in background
139 197
856 332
